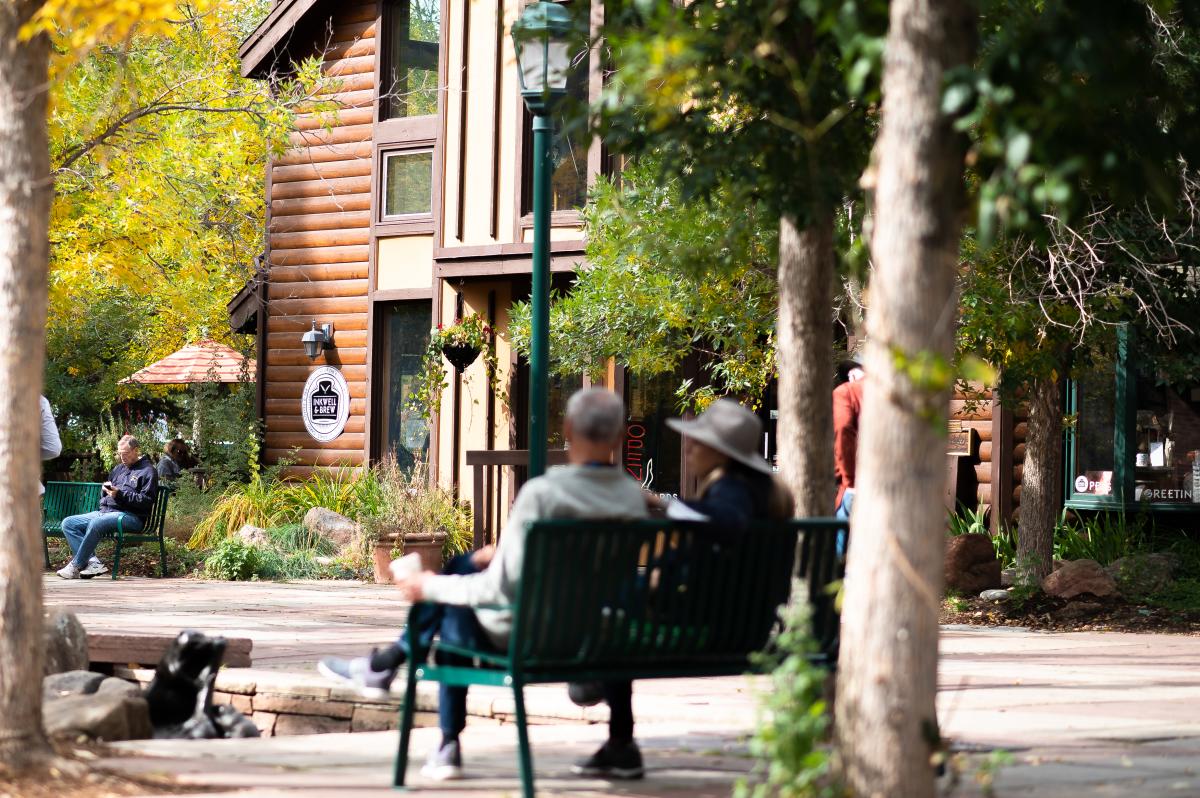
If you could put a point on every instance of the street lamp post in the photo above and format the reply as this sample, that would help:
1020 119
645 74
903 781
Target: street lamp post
541 37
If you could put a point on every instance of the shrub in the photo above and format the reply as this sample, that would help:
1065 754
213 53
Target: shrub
787 743
233 560
408 503
1104 537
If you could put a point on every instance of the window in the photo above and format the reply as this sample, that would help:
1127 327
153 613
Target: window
1095 403
407 183
405 434
569 179
410 79
652 449
1166 442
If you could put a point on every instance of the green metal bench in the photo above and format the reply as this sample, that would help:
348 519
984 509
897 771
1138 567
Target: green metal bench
642 600
63 499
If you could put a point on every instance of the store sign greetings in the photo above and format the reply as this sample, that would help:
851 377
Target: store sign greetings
325 404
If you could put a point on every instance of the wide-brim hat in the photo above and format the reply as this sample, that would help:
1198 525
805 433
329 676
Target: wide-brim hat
729 428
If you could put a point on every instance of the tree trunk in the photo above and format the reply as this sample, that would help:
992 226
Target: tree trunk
24 216
804 350
886 725
1039 482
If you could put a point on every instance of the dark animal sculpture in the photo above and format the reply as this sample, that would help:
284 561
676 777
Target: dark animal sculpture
180 695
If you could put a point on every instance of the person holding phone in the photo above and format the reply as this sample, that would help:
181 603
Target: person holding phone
127 497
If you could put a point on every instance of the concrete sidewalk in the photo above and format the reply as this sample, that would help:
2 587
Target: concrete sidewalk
1082 713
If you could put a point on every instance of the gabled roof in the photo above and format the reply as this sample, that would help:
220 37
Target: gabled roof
262 47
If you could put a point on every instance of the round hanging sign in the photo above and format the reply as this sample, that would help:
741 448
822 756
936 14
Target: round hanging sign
325 403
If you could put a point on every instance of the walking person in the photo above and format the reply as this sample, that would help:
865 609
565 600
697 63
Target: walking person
126 498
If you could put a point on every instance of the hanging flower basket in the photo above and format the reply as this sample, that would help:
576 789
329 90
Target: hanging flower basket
460 355
460 343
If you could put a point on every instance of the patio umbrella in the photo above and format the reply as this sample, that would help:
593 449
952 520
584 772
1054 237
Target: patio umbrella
203 361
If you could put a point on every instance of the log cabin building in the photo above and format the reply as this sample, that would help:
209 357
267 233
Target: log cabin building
411 206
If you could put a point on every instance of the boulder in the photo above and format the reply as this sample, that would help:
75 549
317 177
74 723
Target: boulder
1143 574
337 529
117 686
1077 577
99 716
253 535
1078 610
65 642
971 565
995 594
60 685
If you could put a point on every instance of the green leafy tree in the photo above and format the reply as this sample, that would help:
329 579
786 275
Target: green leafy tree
770 103
667 278
1080 187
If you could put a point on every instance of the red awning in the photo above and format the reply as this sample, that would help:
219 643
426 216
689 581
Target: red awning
203 361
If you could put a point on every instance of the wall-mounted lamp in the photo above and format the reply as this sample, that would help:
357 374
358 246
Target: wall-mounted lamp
318 339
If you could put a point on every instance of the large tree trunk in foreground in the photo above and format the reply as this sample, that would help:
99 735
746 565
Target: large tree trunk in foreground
887 672
1039 482
804 351
24 215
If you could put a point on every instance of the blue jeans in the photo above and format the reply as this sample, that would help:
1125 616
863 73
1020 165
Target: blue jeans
83 532
843 512
457 626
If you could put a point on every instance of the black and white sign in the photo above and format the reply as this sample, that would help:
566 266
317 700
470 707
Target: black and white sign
325 403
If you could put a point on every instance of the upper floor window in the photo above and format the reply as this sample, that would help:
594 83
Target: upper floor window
407 183
409 83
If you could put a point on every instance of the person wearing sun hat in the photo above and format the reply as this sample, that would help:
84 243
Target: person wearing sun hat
735 483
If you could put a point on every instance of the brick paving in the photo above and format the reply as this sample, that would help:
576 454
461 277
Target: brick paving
1081 713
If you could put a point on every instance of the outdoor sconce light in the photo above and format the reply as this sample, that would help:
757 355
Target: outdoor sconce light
541 36
318 339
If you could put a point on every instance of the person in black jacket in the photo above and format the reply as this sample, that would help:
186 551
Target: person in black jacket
126 498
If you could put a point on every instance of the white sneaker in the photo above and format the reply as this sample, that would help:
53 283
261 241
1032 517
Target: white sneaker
94 568
444 764
69 571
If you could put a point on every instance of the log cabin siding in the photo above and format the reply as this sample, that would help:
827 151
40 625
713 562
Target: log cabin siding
319 237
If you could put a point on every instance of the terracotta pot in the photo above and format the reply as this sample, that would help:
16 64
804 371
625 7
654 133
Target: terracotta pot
381 558
429 546
460 355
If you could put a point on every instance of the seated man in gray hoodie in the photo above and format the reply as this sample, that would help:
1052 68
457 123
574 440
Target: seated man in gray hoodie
591 485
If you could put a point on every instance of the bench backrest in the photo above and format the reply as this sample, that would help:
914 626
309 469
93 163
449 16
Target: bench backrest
654 593
63 499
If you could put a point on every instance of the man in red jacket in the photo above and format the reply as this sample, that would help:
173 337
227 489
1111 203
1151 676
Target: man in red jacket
847 405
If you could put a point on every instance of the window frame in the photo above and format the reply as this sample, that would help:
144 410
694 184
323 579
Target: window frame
406 223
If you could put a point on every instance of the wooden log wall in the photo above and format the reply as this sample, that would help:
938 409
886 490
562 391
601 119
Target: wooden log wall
320 232
976 412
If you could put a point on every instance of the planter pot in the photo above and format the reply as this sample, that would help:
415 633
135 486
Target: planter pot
381 558
460 355
429 546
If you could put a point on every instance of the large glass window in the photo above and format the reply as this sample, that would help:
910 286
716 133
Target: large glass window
410 79
1166 442
652 450
406 334
1095 400
407 183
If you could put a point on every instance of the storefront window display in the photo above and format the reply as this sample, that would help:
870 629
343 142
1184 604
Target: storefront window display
652 450
1136 440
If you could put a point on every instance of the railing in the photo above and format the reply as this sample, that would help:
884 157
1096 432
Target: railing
487 503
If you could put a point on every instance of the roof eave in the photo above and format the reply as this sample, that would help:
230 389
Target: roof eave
260 50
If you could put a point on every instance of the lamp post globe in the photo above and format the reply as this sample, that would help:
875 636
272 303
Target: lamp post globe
542 37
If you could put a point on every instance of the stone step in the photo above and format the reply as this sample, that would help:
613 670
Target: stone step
286 703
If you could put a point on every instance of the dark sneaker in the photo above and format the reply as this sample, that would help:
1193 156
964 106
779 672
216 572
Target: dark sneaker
585 694
613 761
357 673
444 764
